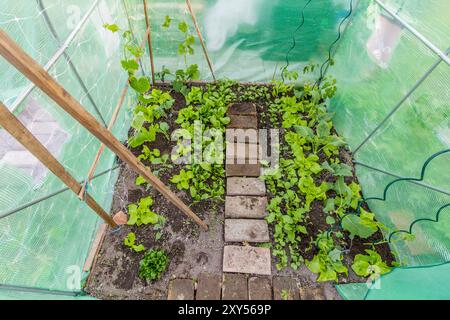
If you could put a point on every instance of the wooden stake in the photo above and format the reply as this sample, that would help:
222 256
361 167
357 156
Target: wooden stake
42 79
205 52
149 39
15 128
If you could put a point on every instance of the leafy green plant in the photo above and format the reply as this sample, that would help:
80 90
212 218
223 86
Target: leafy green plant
183 179
153 265
167 22
310 175
253 93
152 107
363 225
370 265
327 263
132 51
144 135
204 179
130 241
154 156
185 48
140 213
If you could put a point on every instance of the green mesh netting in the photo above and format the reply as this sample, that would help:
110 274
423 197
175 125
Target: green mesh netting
391 106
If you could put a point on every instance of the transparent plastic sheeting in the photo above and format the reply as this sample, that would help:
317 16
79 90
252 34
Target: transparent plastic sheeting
411 283
377 63
246 40
42 246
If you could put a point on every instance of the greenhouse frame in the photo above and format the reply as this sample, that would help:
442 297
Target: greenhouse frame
74 77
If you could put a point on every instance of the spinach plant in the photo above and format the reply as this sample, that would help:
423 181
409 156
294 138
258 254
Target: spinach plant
153 265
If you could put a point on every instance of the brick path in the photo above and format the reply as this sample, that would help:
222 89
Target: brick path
239 286
247 270
245 203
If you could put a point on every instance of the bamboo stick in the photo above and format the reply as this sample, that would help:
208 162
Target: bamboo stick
15 55
205 52
14 127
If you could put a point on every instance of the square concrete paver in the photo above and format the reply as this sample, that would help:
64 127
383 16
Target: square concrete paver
247 259
248 230
245 207
238 186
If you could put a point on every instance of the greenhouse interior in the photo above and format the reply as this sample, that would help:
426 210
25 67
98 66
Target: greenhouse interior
224 150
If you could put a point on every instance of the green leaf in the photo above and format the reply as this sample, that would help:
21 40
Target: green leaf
140 181
141 84
111 27
327 275
131 66
164 126
330 220
329 205
370 264
167 21
341 187
314 265
323 129
193 72
353 224
343 170
135 50
183 26
304 131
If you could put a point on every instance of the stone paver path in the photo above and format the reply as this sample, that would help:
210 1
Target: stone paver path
238 286
247 270
246 198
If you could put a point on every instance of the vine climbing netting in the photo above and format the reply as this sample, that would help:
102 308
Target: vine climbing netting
390 59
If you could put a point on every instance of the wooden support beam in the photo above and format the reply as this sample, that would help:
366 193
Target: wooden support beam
15 128
205 52
15 55
149 40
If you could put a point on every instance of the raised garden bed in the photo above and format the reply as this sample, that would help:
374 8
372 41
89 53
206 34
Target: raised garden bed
318 235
